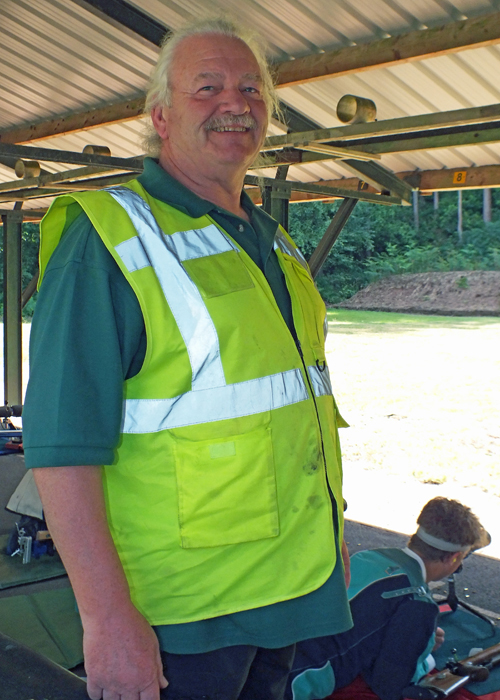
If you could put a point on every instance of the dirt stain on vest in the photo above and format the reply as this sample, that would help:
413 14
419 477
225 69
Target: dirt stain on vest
314 501
310 468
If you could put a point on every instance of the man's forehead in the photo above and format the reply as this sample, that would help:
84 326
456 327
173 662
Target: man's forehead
214 53
254 76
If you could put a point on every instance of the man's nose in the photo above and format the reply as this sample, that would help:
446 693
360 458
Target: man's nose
234 101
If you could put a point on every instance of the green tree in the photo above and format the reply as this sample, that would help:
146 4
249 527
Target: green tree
378 240
29 256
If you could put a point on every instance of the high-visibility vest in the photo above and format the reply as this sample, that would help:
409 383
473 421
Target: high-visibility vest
218 499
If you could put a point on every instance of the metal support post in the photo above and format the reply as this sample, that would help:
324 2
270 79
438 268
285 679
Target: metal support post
436 200
416 218
486 205
331 234
276 198
460 228
12 309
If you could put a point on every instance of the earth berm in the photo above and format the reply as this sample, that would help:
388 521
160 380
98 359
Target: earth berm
467 293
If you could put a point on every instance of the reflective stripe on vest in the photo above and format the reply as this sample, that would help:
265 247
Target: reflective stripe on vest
221 403
320 380
182 295
211 398
282 243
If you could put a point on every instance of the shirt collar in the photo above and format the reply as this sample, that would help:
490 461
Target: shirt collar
162 186
415 556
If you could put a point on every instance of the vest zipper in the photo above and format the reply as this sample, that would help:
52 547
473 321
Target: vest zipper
330 492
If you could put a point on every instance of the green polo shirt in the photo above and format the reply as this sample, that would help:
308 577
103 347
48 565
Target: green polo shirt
88 336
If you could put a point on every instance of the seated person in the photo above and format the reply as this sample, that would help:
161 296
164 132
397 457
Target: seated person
393 611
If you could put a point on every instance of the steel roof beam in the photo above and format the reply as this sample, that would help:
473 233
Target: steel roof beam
57 178
479 134
325 192
124 15
70 157
426 181
388 127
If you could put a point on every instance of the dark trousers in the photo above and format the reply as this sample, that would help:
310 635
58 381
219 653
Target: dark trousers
233 673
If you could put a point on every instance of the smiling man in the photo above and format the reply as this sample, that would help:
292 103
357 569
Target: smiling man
190 466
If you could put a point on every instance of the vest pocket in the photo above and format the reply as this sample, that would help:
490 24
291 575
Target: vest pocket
226 490
215 275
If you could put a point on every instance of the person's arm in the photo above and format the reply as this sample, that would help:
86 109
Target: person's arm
121 650
405 639
439 639
347 564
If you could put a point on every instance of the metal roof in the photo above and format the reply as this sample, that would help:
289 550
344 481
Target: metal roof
57 58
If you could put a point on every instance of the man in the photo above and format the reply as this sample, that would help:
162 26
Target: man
178 341
393 611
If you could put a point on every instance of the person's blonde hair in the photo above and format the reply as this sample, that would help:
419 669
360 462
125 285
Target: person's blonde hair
160 89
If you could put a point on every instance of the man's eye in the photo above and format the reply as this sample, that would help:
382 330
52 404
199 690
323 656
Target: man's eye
206 88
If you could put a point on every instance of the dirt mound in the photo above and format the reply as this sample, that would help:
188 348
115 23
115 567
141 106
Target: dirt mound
469 293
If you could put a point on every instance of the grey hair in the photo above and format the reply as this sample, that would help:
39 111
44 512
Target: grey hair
159 88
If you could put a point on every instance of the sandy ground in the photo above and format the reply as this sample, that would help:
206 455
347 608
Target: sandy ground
387 501
423 405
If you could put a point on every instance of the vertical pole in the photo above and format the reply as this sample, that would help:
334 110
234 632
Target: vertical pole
460 220
435 198
12 308
275 199
331 234
416 220
486 205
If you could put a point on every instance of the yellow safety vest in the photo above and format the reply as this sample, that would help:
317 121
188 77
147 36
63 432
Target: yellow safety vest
218 499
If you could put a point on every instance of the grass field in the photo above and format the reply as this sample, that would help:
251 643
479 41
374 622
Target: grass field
421 393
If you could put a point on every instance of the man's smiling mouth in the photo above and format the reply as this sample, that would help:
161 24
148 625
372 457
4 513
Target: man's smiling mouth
230 128
239 123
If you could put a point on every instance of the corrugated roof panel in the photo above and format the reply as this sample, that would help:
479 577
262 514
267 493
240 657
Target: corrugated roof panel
472 8
452 78
57 57
296 27
67 56
483 68
75 58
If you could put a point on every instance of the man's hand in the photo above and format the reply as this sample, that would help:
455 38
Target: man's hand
122 658
439 638
347 564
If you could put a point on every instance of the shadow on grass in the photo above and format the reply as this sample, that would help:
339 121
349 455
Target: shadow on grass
347 321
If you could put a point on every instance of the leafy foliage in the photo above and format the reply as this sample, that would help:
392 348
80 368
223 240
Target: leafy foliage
378 241
29 256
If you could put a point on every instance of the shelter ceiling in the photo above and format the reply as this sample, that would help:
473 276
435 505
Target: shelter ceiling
58 59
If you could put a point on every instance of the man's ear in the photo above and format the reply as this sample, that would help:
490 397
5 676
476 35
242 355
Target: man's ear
159 117
455 560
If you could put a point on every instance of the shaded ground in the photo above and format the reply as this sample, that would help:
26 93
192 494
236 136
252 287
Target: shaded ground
469 293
